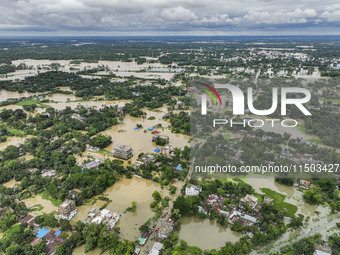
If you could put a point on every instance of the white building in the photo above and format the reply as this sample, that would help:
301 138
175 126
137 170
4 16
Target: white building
156 248
192 190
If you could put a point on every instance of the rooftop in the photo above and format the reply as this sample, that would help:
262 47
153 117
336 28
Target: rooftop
122 147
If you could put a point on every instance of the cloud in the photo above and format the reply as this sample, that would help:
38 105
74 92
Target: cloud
170 15
280 17
177 14
331 16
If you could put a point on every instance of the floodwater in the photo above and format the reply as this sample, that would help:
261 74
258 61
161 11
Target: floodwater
140 141
11 107
206 234
97 104
83 210
116 67
13 140
81 251
11 183
47 204
122 194
5 94
279 129
59 97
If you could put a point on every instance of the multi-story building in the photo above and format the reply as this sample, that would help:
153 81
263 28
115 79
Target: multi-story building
67 210
122 151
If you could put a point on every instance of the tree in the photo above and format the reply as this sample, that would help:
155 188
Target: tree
156 195
71 161
313 195
101 141
183 205
237 226
132 208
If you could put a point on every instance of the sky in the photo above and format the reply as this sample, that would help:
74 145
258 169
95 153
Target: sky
168 17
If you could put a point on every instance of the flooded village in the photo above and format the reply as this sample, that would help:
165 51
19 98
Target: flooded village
99 162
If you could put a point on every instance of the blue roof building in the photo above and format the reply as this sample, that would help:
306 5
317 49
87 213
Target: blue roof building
42 232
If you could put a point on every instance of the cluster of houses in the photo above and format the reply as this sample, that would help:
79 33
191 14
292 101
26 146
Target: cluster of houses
216 203
51 237
299 157
286 153
144 159
103 216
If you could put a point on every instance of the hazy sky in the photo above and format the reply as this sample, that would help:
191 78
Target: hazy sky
168 17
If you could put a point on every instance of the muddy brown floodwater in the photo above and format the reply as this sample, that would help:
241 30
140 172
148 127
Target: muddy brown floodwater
59 97
11 183
97 104
13 140
38 200
206 234
122 194
5 94
81 251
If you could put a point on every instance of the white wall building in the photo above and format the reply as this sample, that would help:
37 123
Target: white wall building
192 190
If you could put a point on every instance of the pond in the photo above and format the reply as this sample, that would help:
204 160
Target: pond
48 207
206 234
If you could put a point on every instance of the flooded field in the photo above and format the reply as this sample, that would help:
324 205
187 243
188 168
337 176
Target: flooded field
38 200
141 141
97 104
81 251
58 97
206 234
293 195
122 194
11 107
12 140
279 129
154 70
11 183
4 95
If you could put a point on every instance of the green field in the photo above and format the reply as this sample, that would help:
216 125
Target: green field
37 207
28 102
47 196
17 132
12 229
313 138
278 201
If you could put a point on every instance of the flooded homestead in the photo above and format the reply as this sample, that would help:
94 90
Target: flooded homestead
122 193
141 140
